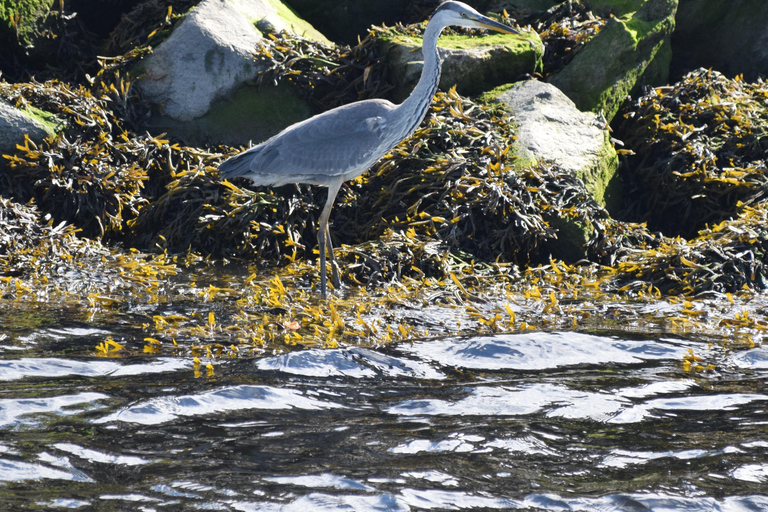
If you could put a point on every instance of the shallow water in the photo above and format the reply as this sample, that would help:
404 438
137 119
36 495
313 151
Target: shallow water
532 421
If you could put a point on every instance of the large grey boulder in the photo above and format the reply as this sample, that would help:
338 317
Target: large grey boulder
630 51
473 64
207 58
15 123
550 129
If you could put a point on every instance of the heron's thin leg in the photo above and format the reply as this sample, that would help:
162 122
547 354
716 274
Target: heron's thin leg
334 266
322 232
321 248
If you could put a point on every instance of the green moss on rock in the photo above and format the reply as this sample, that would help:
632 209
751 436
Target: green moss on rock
596 82
23 18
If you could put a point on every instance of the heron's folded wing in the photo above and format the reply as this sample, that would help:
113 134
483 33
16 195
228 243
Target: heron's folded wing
325 146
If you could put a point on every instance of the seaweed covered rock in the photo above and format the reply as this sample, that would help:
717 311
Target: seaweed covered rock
700 150
93 174
728 257
198 212
628 52
549 129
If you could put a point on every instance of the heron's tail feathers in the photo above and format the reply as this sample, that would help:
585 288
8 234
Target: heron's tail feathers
238 165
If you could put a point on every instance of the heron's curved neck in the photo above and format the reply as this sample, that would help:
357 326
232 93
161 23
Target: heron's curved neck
415 107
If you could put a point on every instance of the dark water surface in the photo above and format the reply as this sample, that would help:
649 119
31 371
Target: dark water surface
538 421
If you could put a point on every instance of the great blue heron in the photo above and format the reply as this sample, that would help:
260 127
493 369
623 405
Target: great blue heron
341 144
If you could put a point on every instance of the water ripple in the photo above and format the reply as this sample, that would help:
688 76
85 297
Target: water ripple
540 351
15 369
356 363
165 409
11 410
17 471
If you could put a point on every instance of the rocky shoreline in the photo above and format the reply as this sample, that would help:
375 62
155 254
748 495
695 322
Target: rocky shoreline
564 146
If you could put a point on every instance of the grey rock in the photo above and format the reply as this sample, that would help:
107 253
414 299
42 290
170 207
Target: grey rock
550 129
14 124
209 54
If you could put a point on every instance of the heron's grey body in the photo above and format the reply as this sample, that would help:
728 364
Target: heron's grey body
343 143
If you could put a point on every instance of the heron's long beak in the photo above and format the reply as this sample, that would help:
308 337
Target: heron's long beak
484 22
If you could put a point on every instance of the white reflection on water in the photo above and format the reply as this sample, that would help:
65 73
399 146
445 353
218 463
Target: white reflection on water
618 458
649 501
755 359
528 445
433 476
317 363
458 443
560 401
356 363
168 408
15 369
318 502
17 471
757 473
541 350
324 480
63 503
524 400
724 402
101 457
430 499
11 410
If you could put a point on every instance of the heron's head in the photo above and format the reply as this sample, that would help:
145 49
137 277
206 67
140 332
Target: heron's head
462 15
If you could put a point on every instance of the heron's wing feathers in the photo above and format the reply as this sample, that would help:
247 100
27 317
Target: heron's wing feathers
318 150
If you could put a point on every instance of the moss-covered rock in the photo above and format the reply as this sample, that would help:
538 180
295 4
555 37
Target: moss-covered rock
23 19
614 63
549 128
473 64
